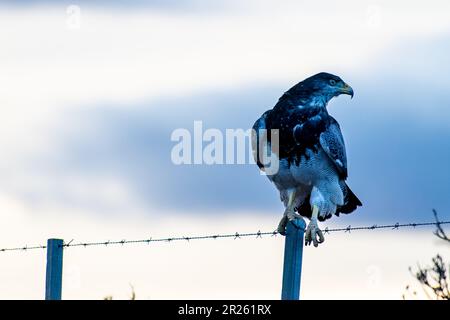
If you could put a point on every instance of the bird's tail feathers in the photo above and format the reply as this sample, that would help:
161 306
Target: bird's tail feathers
351 201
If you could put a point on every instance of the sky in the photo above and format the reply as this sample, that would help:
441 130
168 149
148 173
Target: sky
92 90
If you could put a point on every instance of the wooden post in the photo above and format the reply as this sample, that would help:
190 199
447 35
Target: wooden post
293 254
53 281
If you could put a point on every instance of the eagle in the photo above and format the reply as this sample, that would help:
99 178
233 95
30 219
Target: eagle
308 146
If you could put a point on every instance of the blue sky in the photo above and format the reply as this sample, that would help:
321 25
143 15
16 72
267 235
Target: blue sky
87 113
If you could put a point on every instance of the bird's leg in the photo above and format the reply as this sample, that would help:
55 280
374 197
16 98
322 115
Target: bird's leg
313 233
282 225
289 213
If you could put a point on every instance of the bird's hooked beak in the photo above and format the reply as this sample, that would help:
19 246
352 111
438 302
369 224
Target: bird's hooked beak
346 89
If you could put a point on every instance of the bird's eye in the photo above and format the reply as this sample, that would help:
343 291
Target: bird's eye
332 82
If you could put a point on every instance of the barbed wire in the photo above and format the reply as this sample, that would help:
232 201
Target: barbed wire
235 236
25 248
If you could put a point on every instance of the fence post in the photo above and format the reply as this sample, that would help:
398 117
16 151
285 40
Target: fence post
293 254
53 279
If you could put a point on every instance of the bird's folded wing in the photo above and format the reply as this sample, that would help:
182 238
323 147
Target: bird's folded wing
332 143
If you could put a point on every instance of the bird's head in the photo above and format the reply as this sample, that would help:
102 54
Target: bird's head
328 84
323 86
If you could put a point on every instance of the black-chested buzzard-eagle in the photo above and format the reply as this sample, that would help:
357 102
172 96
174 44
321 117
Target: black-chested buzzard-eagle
312 162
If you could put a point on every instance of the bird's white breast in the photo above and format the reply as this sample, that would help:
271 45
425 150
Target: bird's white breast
314 168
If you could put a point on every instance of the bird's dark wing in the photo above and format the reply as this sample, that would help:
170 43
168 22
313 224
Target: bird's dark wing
332 143
259 132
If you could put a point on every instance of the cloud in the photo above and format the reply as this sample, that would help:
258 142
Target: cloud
100 113
85 130
173 5
397 163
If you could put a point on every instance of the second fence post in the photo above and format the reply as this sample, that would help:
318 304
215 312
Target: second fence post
53 277
293 254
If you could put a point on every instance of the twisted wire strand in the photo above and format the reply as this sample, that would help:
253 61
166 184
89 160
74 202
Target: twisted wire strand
235 236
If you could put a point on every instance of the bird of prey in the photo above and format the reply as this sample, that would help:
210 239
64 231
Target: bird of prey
312 162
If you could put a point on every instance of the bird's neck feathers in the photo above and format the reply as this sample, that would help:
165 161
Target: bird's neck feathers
305 100
316 101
